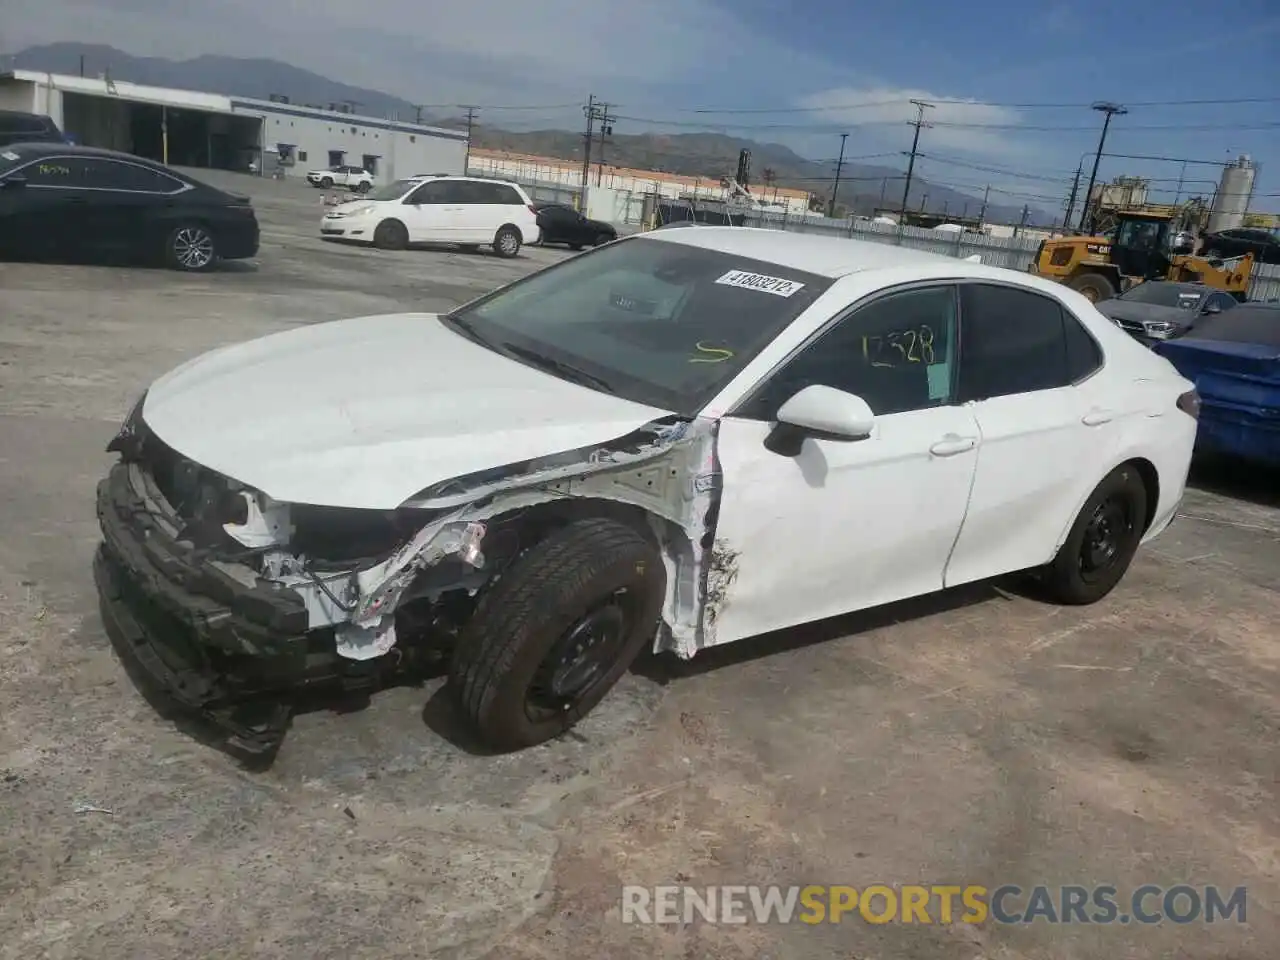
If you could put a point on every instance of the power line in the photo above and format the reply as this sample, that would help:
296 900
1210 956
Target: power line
949 124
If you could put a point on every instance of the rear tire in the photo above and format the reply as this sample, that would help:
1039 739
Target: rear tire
506 243
1102 541
363 188
191 248
390 235
1094 286
554 634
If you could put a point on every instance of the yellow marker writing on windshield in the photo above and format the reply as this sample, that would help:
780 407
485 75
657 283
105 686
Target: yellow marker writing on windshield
713 354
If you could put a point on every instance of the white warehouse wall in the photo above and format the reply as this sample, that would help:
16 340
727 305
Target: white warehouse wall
402 149
18 95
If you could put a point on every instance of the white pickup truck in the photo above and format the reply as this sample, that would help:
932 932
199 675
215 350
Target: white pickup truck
353 178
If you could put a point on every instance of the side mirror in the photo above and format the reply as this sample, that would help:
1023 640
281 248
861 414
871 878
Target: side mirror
823 413
15 180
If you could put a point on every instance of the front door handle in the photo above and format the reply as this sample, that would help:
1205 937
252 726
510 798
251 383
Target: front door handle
951 445
1096 418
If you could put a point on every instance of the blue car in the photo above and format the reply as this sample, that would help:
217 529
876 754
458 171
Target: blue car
1234 360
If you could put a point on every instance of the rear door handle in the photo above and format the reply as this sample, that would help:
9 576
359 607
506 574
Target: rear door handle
951 445
1096 418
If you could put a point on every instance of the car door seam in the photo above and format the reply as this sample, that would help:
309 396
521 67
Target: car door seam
968 500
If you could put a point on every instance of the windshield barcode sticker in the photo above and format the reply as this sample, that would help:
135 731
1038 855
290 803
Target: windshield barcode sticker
758 281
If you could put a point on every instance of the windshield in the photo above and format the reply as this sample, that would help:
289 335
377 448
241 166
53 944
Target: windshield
1166 295
663 324
1248 323
392 191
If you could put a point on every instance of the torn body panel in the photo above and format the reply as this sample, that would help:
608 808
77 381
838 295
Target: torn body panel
668 470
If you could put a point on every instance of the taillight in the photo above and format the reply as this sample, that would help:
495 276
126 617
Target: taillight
1189 403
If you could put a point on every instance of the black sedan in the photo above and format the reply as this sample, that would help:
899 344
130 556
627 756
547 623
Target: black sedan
1263 244
1160 310
58 200
563 224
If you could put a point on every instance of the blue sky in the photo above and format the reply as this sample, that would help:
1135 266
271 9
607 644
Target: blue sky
797 72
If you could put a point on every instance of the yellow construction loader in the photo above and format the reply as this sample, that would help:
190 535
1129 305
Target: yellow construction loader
1142 246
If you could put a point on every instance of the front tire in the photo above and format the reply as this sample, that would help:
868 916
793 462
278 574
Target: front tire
556 631
506 243
1094 286
602 239
1102 541
191 248
390 235
326 182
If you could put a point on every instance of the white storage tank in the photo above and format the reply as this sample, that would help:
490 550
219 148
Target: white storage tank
1234 193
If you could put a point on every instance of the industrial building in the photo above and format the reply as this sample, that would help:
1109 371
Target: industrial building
606 177
187 128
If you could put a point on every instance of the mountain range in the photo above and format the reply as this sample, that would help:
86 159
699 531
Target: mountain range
710 155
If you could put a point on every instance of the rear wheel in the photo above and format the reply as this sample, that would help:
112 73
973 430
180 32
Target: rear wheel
391 235
507 242
1094 286
554 634
363 188
191 248
1102 541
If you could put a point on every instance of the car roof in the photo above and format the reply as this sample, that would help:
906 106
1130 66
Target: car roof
825 256
44 148
1186 285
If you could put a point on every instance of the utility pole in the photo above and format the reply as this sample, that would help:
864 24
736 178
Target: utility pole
587 138
472 111
982 214
1026 210
835 188
417 114
1071 198
606 130
918 122
1110 109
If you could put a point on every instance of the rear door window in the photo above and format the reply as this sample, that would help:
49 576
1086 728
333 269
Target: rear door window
1011 341
130 177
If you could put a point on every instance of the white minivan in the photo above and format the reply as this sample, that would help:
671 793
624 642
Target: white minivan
466 211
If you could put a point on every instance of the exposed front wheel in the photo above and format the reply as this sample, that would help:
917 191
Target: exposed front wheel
554 634
1102 541
391 235
1094 286
507 242
191 248
326 182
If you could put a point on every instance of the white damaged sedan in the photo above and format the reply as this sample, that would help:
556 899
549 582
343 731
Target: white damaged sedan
674 441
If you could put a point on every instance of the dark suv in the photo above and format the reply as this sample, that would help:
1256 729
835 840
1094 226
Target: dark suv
18 127
1263 244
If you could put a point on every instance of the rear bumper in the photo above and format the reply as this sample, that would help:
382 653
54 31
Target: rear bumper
240 242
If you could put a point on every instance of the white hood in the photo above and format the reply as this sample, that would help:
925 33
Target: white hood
367 412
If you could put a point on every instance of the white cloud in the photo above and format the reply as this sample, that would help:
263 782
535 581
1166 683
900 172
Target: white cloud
886 111
492 51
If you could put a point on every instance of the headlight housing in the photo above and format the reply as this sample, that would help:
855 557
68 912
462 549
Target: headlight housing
1159 329
358 212
130 432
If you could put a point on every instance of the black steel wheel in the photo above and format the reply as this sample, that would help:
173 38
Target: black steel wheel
1102 541
556 631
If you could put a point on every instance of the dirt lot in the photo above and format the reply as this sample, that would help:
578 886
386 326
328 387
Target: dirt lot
980 737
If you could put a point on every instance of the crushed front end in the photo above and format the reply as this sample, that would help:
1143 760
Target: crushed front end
235 604
232 610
